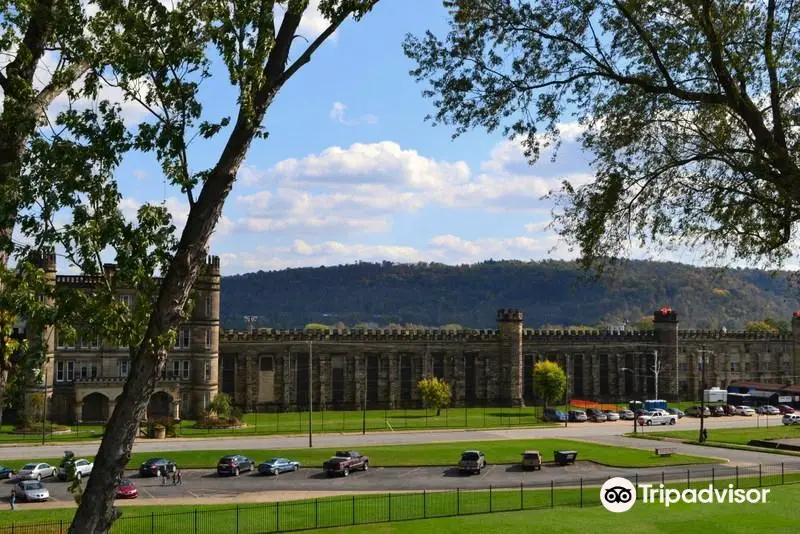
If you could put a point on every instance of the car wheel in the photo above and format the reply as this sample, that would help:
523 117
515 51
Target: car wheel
39 477
78 475
366 466
650 423
236 472
295 467
346 472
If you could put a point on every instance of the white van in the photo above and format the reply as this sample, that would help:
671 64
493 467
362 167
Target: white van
791 419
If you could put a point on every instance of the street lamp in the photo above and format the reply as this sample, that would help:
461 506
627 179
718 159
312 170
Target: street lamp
629 370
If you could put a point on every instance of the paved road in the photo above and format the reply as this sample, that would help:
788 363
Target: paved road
203 484
573 431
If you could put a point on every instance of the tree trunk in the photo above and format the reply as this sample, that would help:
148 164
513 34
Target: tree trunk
438 411
3 383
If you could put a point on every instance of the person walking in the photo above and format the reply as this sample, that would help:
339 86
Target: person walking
13 498
163 475
180 477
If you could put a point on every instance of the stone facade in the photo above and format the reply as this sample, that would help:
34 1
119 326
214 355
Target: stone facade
82 378
279 369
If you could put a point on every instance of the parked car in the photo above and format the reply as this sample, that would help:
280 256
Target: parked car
556 416
273 466
717 411
611 416
658 417
36 471
596 415
344 462
234 464
152 467
532 460
83 468
745 410
471 462
791 419
730 409
6 472
32 490
694 411
127 490
784 408
768 410
577 416
676 411
627 415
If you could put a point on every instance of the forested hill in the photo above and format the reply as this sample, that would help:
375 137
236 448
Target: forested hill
549 292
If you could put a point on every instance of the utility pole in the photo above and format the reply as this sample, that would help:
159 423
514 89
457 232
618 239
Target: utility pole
703 353
310 392
364 405
567 390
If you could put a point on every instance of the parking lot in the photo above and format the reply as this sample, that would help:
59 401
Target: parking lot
207 484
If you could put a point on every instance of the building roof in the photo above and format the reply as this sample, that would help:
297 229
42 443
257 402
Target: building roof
764 386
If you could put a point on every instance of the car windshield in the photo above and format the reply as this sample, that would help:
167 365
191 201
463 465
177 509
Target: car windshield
126 482
272 461
469 456
29 467
35 485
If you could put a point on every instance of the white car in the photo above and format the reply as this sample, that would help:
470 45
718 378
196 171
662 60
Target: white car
791 419
658 417
83 468
36 471
612 416
745 410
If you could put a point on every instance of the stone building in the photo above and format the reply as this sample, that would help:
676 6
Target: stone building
83 377
270 369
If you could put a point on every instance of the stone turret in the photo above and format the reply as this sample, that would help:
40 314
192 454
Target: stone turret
205 377
512 363
665 322
45 259
795 343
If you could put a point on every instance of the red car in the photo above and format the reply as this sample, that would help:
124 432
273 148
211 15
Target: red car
785 409
127 490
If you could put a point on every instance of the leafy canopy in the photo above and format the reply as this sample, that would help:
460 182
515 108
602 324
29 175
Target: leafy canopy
435 393
549 381
688 107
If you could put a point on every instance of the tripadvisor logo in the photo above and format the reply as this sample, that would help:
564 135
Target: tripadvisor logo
619 495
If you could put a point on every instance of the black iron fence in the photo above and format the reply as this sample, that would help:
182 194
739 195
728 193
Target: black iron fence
379 508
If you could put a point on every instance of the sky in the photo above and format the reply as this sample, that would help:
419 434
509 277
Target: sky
351 171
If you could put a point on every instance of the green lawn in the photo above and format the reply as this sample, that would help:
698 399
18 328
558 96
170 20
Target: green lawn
328 421
497 452
737 436
545 508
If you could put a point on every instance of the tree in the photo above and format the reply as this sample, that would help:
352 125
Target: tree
222 405
28 32
435 393
316 326
760 326
688 109
549 381
168 48
779 326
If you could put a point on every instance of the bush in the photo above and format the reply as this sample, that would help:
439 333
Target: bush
167 423
212 422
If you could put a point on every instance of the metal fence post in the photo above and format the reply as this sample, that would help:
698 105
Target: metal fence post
195 521
759 475
521 497
153 522
316 513
552 494
581 492
277 517
390 507
490 498
737 477
424 504
60 526
688 479
354 509
636 475
458 501
713 477
782 474
662 477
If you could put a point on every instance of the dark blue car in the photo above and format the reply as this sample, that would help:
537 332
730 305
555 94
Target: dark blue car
273 466
557 416
233 465
6 472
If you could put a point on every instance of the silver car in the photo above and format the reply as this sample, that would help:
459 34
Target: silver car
36 471
612 416
32 490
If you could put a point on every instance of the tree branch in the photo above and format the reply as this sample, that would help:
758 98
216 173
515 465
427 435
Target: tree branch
774 87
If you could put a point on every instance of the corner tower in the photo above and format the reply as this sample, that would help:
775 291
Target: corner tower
45 260
205 339
512 363
665 323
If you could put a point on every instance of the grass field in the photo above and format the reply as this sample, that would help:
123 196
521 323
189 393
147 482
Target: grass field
545 508
327 421
736 436
497 452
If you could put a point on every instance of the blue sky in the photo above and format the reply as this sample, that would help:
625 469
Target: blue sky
351 171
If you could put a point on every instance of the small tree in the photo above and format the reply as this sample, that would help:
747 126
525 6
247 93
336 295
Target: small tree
435 393
549 380
222 405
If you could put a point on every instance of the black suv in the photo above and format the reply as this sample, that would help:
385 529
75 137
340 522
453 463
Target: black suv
153 466
234 464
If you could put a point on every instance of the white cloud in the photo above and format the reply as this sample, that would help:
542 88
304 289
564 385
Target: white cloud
312 24
537 227
338 113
